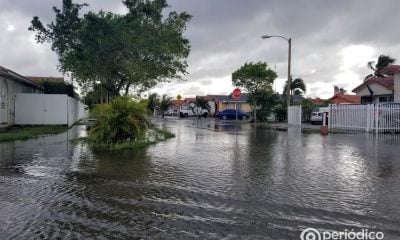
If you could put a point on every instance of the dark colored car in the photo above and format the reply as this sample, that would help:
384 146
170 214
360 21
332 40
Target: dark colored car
231 114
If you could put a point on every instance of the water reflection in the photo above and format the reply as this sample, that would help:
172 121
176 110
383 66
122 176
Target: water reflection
215 180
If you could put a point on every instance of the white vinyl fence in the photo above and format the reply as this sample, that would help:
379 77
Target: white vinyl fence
379 117
3 110
294 115
47 109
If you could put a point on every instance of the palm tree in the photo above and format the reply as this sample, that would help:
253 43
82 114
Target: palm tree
201 104
153 102
383 61
165 102
297 87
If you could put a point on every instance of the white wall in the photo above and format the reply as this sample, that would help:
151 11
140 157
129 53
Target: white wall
397 87
14 87
47 109
376 88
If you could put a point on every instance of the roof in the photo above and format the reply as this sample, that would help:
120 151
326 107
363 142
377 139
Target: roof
317 100
177 103
347 98
39 79
391 69
386 82
17 77
244 97
189 100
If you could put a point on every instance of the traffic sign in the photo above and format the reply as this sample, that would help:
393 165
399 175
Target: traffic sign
236 93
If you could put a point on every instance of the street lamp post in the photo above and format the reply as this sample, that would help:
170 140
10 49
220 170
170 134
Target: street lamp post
289 82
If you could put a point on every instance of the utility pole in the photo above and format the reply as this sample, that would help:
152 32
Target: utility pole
289 81
289 77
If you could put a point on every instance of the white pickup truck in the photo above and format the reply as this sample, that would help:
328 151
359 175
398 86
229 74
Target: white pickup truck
193 111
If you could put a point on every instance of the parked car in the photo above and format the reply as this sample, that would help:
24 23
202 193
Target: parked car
190 112
172 112
231 114
318 114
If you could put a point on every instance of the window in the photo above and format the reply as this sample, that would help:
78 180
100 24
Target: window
383 99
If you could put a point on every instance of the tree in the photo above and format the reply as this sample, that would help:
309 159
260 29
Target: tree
297 87
383 61
165 102
256 78
201 104
266 101
121 51
153 102
342 91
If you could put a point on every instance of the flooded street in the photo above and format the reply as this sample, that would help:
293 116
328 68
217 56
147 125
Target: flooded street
214 180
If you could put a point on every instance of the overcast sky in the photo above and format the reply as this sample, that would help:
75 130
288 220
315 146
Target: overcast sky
332 41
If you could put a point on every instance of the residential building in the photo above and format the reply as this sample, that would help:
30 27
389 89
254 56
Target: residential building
12 83
339 98
55 85
223 102
385 88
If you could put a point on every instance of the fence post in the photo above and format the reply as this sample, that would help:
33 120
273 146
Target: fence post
300 114
368 118
376 117
330 116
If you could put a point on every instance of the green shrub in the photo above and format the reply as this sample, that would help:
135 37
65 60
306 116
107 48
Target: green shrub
124 120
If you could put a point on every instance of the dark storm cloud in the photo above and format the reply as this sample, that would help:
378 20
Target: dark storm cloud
226 33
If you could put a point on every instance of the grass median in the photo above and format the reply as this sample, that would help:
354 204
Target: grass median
28 132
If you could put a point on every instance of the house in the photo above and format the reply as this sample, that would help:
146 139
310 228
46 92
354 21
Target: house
317 101
12 83
55 85
176 104
180 104
223 102
339 98
394 71
385 88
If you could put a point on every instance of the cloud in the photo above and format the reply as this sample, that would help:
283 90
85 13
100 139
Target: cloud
332 41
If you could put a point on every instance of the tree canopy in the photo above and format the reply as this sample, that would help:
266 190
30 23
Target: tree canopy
383 61
297 87
254 77
257 80
120 51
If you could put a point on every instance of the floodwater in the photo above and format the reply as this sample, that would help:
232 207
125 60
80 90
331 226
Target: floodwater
214 180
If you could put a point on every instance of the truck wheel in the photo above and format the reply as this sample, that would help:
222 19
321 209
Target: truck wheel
224 117
244 117
186 115
205 115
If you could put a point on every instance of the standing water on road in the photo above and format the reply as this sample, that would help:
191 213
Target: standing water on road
212 181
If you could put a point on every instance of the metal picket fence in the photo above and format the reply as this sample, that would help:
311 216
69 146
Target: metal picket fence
378 117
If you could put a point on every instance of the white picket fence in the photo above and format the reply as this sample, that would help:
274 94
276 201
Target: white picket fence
378 117
294 115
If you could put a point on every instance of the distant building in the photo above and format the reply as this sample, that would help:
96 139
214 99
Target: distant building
12 83
223 102
345 99
317 101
